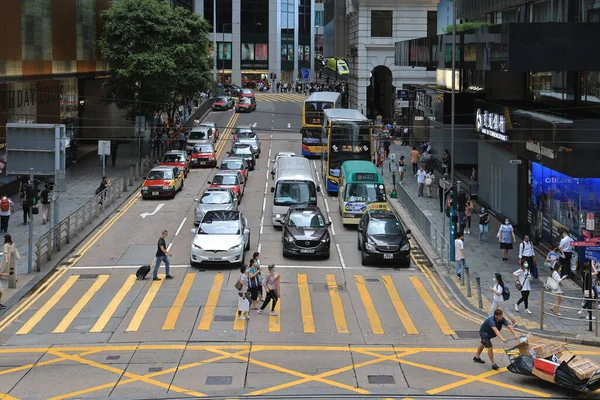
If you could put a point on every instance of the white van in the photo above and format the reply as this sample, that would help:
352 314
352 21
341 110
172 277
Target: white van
295 183
200 135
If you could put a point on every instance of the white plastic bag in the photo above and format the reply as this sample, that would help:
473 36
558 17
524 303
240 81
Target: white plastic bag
574 259
243 305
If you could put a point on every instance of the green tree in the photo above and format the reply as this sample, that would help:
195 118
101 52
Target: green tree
156 55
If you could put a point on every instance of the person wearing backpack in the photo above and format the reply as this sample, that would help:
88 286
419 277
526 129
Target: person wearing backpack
7 207
501 295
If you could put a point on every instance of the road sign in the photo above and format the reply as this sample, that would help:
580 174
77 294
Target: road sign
305 73
584 244
401 104
140 125
402 94
593 240
516 162
104 147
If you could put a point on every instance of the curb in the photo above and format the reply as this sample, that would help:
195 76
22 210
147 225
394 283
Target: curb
459 298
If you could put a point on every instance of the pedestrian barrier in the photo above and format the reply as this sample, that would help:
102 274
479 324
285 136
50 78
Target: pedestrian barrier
52 241
590 313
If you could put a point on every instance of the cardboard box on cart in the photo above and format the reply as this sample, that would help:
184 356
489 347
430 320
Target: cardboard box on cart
533 347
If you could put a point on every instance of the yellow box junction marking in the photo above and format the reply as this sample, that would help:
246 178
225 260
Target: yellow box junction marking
144 306
113 305
401 310
177 306
336 304
374 320
211 303
308 320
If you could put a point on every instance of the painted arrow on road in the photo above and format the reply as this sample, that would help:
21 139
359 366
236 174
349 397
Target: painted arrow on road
157 209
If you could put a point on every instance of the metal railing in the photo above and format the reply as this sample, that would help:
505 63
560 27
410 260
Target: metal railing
52 241
591 314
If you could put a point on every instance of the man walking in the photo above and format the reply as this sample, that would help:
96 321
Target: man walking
459 254
527 254
26 201
162 254
45 197
491 328
7 207
181 138
484 220
415 156
567 249
421 174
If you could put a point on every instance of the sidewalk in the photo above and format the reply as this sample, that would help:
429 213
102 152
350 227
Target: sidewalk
483 259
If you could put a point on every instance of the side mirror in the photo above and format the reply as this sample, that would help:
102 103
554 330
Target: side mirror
196 199
318 188
359 228
272 190
329 223
408 232
193 230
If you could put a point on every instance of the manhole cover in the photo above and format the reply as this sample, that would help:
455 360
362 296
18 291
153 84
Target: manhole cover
88 276
154 369
224 318
372 279
113 357
219 380
467 334
381 379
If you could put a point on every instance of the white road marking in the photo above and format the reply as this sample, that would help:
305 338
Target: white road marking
314 165
326 204
341 257
309 266
180 226
157 209
266 186
123 266
262 224
259 247
100 267
332 227
264 203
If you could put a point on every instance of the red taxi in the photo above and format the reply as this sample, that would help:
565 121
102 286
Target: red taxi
235 164
203 155
246 93
177 158
245 104
162 182
229 180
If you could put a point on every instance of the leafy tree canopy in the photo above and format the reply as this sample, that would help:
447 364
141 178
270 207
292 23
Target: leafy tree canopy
156 55
467 26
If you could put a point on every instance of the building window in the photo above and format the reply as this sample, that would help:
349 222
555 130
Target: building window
36 29
304 14
541 12
287 14
224 12
381 23
328 11
319 18
86 30
255 16
590 86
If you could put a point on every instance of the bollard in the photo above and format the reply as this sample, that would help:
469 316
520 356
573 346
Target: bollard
49 246
125 179
12 273
59 237
542 311
68 239
468 279
462 277
478 287
130 176
137 171
38 257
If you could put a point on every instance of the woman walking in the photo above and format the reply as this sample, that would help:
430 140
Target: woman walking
9 257
553 257
557 289
498 300
401 169
468 211
242 286
270 283
429 178
523 282
253 274
506 237
590 291
256 257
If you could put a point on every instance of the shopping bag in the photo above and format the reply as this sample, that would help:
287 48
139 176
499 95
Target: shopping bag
551 283
243 305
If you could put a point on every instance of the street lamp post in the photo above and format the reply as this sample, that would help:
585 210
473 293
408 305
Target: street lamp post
453 212
215 66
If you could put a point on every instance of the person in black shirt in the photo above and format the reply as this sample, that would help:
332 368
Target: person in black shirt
162 254
45 197
26 200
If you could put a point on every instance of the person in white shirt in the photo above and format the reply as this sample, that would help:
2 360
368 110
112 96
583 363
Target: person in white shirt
421 174
459 254
527 254
567 249
498 299
523 278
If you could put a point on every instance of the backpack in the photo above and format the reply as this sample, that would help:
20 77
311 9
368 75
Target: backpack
4 204
505 293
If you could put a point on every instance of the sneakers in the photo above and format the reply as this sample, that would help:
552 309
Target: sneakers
478 360
242 317
495 367
260 311
527 311
2 306
273 313
516 307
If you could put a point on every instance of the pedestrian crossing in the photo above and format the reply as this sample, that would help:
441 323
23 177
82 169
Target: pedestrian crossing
120 303
280 97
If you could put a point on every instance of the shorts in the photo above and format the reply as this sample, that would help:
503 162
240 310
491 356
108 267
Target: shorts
486 341
507 246
253 293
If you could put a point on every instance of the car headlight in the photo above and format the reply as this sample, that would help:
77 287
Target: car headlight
144 189
289 239
369 246
194 245
277 215
325 239
236 247
166 187
194 159
406 247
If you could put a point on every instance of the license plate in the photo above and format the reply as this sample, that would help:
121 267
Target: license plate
388 256
154 193
214 259
202 162
307 251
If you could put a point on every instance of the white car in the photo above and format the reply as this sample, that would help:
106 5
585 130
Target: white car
276 159
222 238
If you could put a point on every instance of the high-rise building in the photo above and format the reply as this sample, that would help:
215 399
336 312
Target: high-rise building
257 38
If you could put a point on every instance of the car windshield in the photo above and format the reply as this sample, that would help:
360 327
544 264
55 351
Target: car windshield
384 227
204 149
198 135
245 132
365 193
221 223
245 101
306 219
242 150
232 165
220 100
215 198
225 180
287 193
246 91
173 158
160 175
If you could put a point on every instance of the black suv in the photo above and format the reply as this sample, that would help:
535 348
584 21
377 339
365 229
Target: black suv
305 232
382 238
244 151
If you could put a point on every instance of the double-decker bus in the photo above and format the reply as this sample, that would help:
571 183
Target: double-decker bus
312 120
347 135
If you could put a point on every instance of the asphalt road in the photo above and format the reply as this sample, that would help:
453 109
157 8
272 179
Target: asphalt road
94 331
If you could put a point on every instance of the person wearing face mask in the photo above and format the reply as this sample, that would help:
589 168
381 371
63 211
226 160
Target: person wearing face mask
270 284
527 255
523 283
506 237
498 299
484 220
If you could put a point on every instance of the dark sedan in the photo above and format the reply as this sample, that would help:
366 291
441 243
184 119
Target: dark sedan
246 152
305 232
382 239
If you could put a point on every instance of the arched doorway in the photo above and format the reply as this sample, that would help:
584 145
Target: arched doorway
380 94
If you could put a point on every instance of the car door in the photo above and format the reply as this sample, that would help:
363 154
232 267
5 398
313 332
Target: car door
178 177
246 230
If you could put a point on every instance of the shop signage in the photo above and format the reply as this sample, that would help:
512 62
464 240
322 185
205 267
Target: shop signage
401 104
583 244
254 65
537 148
11 99
590 221
491 124
424 102
516 162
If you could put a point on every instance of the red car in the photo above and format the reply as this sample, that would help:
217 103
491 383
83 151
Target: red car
177 158
235 164
229 180
246 104
204 155
246 93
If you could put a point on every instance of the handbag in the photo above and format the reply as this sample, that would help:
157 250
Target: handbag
519 285
243 305
239 285
551 283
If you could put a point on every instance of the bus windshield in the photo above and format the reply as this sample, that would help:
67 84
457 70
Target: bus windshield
365 193
288 193
348 141
313 112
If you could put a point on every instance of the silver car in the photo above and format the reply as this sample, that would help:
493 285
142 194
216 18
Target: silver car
222 238
199 135
279 155
251 139
215 199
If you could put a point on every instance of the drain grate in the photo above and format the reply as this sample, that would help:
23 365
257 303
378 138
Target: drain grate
88 276
112 358
372 279
219 380
467 334
224 318
381 379
325 288
155 369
